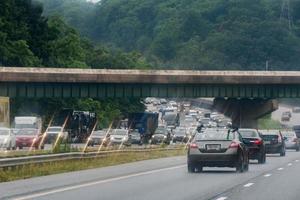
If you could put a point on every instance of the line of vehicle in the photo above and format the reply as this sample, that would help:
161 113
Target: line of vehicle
46 193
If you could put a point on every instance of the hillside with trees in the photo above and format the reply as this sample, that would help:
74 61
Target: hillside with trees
194 34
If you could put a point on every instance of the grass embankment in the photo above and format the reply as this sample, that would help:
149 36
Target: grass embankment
268 123
34 170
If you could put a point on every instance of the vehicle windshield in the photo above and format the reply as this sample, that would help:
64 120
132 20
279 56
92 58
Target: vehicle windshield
289 134
160 131
56 129
119 132
248 133
179 132
27 132
99 133
20 126
4 131
215 135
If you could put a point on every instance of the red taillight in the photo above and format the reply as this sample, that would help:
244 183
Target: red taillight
258 142
234 145
193 146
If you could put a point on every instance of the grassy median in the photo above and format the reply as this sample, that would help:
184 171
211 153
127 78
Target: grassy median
34 170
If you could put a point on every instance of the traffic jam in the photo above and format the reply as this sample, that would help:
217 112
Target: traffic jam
208 136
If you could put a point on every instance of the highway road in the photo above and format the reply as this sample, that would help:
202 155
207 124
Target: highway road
165 179
295 119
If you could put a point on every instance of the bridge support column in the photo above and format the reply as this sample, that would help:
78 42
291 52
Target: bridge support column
245 112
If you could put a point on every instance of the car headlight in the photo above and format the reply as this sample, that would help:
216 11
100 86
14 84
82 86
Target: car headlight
165 136
112 138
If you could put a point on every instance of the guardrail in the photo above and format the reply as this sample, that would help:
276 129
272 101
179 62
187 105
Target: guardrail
19 161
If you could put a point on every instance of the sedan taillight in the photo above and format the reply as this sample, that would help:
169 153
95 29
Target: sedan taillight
258 142
193 146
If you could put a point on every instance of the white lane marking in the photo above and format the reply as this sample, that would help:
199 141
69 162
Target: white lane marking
279 169
290 164
40 194
267 175
296 160
248 184
221 198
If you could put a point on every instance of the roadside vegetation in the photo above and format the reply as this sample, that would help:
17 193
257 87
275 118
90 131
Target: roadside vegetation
268 123
43 169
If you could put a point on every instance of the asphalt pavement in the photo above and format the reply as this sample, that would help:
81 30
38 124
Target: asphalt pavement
166 179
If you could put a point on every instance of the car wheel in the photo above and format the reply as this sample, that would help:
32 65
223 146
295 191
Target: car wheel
191 167
9 147
298 148
240 164
282 153
262 158
199 168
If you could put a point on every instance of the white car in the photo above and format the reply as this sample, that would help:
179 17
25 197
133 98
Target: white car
7 139
53 132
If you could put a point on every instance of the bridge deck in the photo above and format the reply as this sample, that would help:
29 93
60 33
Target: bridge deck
63 75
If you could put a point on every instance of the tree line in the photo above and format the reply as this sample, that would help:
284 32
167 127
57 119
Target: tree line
193 34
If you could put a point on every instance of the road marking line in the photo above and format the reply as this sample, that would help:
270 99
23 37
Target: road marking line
290 164
221 198
279 169
296 160
40 194
248 184
267 175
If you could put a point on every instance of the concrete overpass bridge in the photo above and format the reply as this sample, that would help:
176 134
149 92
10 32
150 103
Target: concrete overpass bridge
242 95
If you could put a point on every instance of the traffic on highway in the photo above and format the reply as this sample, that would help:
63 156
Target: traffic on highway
223 160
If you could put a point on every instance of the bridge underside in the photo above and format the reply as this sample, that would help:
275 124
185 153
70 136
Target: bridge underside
100 90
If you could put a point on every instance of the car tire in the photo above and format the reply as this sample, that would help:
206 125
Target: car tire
191 167
298 148
262 158
199 168
282 153
9 147
240 164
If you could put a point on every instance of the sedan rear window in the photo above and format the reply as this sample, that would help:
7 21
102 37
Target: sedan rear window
215 135
248 133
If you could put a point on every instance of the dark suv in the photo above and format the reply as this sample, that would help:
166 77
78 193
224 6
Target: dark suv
274 141
255 144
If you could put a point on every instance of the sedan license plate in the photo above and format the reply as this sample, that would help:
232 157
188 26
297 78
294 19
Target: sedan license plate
267 142
213 147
